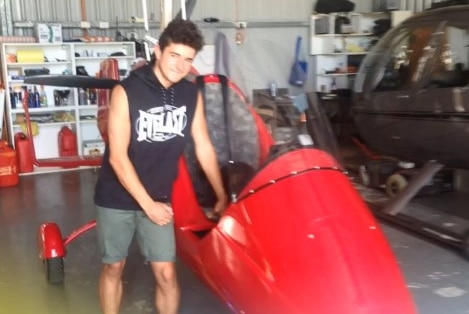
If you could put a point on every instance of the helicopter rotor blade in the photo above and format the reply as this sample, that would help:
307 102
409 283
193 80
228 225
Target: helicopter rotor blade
79 81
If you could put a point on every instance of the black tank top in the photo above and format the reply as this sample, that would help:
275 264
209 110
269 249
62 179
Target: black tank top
161 121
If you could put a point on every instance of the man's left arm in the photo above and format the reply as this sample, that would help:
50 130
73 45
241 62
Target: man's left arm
206 155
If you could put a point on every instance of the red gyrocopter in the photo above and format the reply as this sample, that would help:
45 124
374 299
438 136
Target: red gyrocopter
296 237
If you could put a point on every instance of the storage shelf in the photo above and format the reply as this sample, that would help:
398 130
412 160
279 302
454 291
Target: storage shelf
43 64
21 82
13 74
340 46
88 121
44 109
336 74
78 59
84 107
41 124
346 35
342 53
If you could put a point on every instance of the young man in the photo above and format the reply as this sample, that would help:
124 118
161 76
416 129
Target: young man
152 115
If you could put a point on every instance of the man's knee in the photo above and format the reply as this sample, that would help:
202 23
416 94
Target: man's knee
165 272
113 269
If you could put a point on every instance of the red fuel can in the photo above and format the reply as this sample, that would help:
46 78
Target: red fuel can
67 142
24 153
8 165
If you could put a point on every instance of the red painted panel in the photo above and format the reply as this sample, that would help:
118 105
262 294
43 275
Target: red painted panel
306 243
50 241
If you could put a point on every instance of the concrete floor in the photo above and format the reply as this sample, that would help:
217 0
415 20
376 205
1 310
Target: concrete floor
437 277
66 198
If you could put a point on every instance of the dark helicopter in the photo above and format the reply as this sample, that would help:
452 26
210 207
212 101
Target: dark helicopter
411 95
411 102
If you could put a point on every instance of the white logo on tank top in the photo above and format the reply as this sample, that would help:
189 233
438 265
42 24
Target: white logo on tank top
160 124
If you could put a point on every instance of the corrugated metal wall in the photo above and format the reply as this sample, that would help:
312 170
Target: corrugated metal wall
26 13
68 12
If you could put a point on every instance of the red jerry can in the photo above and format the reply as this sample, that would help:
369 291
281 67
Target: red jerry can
24 153
8 165
67 142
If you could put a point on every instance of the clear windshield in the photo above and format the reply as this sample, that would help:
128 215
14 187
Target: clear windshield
435 53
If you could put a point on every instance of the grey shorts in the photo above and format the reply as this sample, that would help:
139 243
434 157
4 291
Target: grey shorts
117 227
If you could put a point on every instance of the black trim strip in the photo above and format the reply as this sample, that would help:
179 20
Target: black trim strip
291 174
414 115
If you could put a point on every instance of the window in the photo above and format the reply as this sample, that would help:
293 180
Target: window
424 56
394 63
451 64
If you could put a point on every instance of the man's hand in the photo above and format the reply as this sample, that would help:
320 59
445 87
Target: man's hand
218 209
160 213
221 204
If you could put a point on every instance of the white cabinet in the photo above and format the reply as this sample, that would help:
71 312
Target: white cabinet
21 59
338 43
57 106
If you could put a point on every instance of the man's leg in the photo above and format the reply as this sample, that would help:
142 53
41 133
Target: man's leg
115 229
158 245
167 288
110 287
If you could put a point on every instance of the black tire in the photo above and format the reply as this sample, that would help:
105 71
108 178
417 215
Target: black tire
54 268
395 184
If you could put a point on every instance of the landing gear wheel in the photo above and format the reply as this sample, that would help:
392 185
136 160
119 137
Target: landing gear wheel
395 184
54 268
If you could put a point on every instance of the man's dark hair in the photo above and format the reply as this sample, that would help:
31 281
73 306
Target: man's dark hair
181 31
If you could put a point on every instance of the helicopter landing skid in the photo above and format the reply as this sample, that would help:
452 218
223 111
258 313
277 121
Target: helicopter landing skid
435 216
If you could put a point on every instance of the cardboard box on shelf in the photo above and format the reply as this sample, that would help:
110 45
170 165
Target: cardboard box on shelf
30 56
49 33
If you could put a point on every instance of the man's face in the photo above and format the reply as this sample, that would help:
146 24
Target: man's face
173 63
